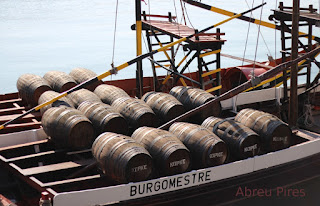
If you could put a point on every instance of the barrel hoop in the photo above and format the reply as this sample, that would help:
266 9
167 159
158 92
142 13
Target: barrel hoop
193 131
146 96
177 144
104 144
97 139
242 114
181 131
138 135
172 148
209 137
158 138
129 153
215 127
115 147
248 117
264 123
240 129
66 111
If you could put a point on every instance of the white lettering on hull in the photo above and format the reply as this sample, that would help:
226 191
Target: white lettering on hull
170 183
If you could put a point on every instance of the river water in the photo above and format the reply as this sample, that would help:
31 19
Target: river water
37 36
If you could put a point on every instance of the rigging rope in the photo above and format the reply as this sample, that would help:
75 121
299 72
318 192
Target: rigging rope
257 43
114 33
260 32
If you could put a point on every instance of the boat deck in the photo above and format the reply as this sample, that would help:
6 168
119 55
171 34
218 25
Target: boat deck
179 31
304 16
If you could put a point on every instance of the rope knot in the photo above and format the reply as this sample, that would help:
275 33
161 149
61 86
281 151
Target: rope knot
254 79
114 69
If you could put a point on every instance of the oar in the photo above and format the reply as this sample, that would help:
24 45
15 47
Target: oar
270 73
122 66
245 18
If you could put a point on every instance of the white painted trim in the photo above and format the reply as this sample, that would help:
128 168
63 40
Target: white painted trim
252 97
122 192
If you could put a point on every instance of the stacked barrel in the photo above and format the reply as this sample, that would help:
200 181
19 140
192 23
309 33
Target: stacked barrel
275 134
193 97
101 116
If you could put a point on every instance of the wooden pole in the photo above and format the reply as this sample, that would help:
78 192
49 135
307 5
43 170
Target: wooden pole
293 102
139 71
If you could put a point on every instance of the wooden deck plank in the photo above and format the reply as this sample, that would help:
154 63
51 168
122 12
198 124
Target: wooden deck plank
79 179
30 156
306 134
23 145
56 167
14 110
10 101
6 118
178 30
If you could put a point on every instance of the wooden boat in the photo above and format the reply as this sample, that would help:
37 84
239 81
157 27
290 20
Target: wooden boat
71 177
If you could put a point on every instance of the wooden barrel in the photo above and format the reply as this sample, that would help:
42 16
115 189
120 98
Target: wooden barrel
109 93
274 133
164 105
136 112
59 81
68 128
82 75
30 87
241 140
104 117
194 97
83 95
48 95
206 148
121 158
170 154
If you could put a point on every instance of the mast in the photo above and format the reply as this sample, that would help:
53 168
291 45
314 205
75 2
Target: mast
139 71
293 102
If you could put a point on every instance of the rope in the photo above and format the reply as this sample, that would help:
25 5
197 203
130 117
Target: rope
114 33
259 31
245 47
185 13
255 55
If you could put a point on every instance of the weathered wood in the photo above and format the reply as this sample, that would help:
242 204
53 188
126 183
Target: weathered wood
179 30
56 167
27 117
13 110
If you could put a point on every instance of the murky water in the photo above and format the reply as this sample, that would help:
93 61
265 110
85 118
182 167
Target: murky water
37 36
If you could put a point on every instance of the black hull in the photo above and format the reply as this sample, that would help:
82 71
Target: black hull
295 183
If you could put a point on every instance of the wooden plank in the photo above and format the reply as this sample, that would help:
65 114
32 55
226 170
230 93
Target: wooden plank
23 145
56 167
14 110
21 127
10 101
30 156
27 117
306 134
248 61
178 30
79 179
